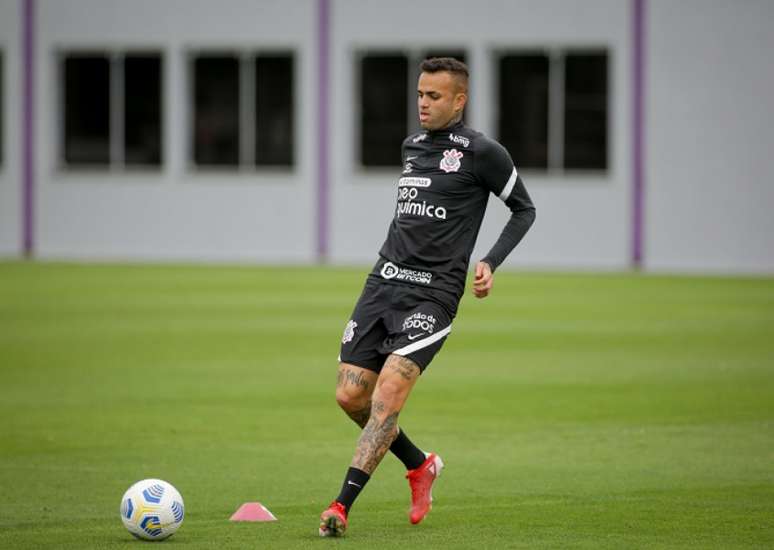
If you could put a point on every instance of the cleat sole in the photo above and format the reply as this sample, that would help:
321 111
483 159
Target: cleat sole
332 527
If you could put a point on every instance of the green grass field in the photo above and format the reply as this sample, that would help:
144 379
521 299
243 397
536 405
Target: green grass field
572 411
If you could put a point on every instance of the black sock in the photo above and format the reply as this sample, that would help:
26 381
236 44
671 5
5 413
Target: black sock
353 484
408 453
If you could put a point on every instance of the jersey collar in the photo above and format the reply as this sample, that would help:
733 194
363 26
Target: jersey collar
451 128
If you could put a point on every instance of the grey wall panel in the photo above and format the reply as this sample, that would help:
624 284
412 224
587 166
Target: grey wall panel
10 169
710 125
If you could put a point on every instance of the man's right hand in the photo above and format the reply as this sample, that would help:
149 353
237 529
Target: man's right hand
483 281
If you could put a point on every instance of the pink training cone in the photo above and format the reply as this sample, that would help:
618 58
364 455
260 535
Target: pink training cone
253 511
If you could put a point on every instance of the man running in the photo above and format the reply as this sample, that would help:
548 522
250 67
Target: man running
410 297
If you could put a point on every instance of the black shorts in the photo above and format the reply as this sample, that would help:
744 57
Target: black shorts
395 319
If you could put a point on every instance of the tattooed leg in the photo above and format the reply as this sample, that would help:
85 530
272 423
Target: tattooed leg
392 389
354 386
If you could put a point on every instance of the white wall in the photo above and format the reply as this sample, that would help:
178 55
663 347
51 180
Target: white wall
581 221
263 215
10 169
710 124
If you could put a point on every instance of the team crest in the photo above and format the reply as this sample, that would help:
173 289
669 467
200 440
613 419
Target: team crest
451 160
349 332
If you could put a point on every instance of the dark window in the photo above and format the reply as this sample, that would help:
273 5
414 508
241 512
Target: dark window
274 110
585 111
86 110
112 109
142 110
383 117
523 101
216 110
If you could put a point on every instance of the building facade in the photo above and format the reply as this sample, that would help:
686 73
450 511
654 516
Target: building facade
268 131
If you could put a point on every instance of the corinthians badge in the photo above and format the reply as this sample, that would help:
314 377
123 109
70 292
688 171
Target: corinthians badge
349 332
451 160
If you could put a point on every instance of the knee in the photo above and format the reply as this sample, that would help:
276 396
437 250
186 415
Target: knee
350 402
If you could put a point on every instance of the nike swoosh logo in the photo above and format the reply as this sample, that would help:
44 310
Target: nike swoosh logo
410 158
355 484
415 336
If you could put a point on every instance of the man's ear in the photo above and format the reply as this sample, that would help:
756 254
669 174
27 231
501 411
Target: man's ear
460 100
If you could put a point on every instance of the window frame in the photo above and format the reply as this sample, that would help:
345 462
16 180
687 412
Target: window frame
116 109
556 105
247 89
358 108
608 150
496 61
292 55
163 107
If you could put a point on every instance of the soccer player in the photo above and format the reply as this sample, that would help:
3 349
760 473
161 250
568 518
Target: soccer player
410 297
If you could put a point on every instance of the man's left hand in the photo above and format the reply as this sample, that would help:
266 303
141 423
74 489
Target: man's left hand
483 281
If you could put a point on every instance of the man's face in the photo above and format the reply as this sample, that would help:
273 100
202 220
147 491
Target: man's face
439 99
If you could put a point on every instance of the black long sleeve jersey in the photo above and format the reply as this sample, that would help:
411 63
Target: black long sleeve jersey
442 196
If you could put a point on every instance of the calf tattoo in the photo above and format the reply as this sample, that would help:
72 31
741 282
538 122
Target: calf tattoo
360 416
375 439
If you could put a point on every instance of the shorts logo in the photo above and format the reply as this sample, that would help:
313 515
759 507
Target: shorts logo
389 270
419 321
392 271
349 332
451 160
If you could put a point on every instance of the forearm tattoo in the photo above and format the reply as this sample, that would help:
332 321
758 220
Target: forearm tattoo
375 439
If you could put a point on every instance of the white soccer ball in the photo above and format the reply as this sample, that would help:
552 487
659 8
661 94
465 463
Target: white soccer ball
152 509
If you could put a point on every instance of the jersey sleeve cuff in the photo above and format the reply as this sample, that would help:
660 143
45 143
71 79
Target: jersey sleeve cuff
490 263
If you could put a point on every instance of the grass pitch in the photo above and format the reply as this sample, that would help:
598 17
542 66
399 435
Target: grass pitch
572 411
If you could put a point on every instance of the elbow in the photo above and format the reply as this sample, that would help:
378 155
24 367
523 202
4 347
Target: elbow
530 216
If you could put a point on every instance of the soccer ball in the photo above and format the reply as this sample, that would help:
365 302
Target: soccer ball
152 509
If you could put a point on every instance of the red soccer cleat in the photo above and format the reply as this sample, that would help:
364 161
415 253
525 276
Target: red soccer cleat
421 482
333 521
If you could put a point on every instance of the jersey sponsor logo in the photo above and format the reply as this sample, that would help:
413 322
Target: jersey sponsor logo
465 142
419 321
451 160
407 205
389 270
420 137
414 182
392 271
349 332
